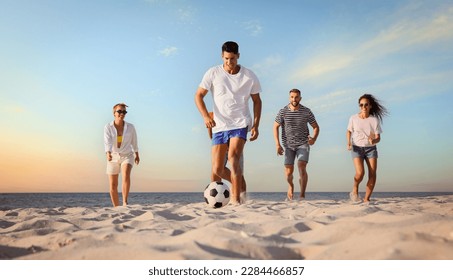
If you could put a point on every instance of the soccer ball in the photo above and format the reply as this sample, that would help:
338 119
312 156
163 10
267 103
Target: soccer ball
217 194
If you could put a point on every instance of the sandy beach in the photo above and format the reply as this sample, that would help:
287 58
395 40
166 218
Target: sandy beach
412 228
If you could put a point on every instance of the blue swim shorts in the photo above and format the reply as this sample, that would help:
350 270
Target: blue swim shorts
364 152
302 153
223 137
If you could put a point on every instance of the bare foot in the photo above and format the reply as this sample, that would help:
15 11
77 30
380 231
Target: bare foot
354 197
234 202
242 197
290 193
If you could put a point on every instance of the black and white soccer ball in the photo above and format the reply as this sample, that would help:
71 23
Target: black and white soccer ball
217 194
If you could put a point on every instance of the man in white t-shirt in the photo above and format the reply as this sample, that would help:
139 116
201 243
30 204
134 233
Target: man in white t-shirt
232 86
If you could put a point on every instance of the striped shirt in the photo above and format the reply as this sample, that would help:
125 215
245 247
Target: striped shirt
294 125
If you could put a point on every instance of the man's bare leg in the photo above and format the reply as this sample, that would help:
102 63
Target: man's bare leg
235 151
218 154
303 179
289 169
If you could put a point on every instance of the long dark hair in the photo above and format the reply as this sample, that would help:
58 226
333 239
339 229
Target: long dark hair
377 110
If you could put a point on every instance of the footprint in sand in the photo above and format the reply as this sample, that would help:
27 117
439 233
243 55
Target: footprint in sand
172 216
6 224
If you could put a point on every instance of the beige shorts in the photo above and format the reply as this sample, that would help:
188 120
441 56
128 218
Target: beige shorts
114 166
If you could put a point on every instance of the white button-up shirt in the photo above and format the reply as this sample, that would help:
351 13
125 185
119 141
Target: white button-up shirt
128 145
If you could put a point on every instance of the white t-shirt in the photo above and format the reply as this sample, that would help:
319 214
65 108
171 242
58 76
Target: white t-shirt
231 94
361 129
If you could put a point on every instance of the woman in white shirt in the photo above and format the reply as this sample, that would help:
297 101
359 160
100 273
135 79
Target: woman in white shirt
120 144
364 132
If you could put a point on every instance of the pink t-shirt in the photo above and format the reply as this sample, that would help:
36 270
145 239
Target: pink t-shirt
361 129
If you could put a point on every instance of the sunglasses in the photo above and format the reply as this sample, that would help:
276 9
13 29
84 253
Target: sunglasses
364 105
121 112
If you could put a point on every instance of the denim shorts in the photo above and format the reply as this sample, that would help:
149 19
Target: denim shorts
364 152
223 137
302 153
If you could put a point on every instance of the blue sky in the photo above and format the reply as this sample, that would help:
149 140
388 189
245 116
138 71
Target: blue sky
64 64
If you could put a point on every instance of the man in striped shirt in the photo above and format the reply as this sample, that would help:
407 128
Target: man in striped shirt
296 140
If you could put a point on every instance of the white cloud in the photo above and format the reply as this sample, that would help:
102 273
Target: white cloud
253 26
326 103
183 14
266 66
169 51
323 64
406 34
186 15
400 90
411 33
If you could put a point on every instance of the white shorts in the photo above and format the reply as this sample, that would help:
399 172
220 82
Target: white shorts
114 166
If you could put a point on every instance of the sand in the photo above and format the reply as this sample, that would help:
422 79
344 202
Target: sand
419 228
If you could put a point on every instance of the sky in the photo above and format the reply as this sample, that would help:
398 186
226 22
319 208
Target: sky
64 64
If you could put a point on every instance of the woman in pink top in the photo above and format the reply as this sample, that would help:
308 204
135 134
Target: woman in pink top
364 132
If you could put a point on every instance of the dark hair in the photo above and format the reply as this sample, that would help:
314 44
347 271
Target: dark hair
231 47
377 109
295 90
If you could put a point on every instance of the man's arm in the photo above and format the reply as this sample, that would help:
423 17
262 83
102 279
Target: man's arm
277 138
257 104
312 140
211 114
201 105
